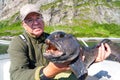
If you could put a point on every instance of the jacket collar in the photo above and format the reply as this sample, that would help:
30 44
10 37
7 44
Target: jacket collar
40 39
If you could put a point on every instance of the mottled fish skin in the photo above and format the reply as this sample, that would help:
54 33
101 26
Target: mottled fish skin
90 55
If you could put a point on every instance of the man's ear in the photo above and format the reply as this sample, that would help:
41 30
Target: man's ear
24 25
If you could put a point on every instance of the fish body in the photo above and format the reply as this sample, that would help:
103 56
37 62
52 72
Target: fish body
62 47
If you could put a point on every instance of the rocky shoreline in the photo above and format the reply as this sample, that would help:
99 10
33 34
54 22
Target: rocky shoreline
6 37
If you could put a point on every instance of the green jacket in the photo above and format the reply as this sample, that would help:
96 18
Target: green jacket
27 59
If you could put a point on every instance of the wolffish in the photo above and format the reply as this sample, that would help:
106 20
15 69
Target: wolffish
62 47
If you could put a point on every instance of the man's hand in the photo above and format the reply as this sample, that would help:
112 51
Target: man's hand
53 69
103 52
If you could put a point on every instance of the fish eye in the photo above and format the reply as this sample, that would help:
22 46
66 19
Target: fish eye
61 35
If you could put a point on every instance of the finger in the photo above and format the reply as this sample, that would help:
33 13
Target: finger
68 68
100 55
108 50
83 58
103 53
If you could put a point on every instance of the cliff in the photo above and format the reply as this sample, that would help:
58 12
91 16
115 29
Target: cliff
69 12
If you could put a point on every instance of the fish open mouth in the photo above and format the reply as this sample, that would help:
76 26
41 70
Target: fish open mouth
52 50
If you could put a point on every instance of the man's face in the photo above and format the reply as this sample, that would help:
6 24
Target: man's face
33 24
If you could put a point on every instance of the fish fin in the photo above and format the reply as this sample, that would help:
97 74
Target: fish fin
78 68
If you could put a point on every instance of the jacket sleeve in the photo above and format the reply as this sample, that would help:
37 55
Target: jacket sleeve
19 68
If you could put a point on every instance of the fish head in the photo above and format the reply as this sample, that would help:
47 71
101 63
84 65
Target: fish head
61 47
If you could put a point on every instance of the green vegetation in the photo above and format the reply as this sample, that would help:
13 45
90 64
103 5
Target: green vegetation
50 5
7 29
84 30
116 3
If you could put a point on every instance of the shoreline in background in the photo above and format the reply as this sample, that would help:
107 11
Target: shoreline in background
6 37
79 38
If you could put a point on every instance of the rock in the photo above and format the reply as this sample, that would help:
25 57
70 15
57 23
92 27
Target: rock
67 11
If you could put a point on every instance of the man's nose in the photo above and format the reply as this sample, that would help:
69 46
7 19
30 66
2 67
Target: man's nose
35 21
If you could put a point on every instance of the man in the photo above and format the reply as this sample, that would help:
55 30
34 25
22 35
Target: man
27 61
